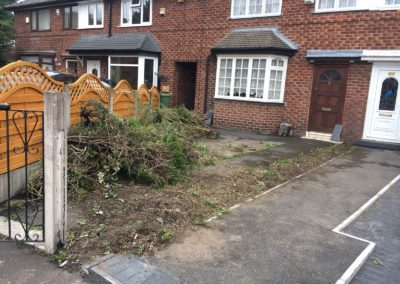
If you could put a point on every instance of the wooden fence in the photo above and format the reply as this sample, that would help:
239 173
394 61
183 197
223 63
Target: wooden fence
23 84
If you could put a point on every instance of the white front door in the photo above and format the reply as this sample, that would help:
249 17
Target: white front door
383 111
93 66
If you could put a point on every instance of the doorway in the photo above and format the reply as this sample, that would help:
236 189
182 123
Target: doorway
327 100
93 67
186 83
382 121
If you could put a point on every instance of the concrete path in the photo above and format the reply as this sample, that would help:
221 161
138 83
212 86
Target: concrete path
19 265
381 224
285 236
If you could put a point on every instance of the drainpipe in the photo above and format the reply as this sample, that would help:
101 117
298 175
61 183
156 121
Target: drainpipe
206 83
110 10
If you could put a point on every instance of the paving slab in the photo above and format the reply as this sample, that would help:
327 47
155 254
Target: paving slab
380 224
123 269
20 265
285 236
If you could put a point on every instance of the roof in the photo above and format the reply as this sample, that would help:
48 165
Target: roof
127 42
37 3
255 39
355 54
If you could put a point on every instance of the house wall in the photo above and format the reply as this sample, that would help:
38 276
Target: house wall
190 29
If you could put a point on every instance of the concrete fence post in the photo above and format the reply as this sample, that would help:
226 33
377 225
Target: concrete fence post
56 112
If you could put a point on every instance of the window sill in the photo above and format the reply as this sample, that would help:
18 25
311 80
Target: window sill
40 31
277 103
90 27
340 11
254 16
396 8
137 25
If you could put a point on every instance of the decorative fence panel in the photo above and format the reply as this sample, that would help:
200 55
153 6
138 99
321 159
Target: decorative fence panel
23 84
124 99
84 89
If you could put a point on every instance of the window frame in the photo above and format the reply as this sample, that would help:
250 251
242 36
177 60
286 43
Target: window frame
140 65
95 25
268 70
70 18
262 15
360 6
37 20
72 60
142 24
83 15
40 60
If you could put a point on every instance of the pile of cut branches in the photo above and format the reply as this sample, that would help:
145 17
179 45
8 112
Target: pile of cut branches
155 148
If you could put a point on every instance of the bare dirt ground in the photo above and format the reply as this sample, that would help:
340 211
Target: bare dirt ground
140 219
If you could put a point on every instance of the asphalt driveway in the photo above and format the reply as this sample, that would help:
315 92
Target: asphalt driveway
285 236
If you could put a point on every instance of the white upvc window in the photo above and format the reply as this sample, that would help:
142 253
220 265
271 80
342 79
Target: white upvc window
136 13
336 5
137 70
255 8
251 78
322 6
91 15
392 2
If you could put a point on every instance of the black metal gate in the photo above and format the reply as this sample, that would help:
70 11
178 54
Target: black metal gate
22 215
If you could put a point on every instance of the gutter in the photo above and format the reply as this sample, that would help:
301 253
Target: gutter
206 83
48 4
110 10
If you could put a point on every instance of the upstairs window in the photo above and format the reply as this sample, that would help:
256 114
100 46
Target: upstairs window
392 2
334 5
40 20
251 78
71 17
95 14
136 12
255 8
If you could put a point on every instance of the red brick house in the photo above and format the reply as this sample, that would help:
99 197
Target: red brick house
255 63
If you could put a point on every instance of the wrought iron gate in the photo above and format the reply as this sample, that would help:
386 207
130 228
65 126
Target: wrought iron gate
22 182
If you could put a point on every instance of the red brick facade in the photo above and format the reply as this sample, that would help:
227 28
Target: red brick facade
189 29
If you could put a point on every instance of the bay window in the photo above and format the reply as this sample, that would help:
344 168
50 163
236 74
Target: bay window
255 8
251 78
137 70
136 12
40 20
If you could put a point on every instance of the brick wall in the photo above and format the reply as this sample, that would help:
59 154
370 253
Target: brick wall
190 29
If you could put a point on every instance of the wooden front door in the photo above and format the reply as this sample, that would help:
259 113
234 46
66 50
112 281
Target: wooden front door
327 101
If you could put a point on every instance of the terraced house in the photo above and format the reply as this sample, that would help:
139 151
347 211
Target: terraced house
255 63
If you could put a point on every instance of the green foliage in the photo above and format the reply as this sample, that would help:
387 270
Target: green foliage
222 212
6 30
166 235
155 148
210 202
63 255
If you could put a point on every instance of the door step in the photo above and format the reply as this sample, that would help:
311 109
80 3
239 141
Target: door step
378 145
320 136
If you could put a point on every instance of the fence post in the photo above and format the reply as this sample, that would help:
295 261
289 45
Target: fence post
56 110
111 99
